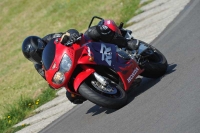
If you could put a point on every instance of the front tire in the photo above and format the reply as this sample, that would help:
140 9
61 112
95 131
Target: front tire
114 100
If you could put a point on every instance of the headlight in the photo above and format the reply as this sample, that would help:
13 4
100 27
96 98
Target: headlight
58 78
65 64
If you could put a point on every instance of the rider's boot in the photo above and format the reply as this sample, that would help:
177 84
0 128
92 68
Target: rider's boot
133 44
75 98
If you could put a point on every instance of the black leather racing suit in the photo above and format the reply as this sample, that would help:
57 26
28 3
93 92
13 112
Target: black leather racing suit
104 34
46 39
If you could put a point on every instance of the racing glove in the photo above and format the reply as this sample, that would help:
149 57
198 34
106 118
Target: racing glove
65 38
74 38
70 39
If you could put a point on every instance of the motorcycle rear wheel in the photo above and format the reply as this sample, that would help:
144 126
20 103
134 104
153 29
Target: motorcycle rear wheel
156 65
112 101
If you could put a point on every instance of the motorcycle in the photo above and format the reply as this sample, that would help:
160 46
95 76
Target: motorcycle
100 72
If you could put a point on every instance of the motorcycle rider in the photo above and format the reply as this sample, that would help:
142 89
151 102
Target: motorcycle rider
33 46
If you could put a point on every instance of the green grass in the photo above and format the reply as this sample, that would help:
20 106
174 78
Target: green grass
22 18
21 109
15 129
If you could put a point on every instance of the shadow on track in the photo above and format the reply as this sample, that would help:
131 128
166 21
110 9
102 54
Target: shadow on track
98 110
171 68
146 84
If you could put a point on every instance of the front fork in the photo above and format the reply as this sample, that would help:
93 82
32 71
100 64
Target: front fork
100 79
85 74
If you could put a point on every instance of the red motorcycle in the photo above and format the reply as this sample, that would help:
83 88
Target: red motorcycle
100 72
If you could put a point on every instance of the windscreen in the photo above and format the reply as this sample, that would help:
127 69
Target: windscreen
48 54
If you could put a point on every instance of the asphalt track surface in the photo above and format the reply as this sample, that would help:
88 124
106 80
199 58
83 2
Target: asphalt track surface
170 104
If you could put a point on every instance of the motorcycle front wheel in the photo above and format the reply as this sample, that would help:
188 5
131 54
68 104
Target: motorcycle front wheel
111 96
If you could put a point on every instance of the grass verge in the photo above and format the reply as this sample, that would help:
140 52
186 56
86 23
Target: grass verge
21 109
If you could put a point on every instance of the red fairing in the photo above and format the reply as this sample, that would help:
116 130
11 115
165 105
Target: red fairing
111 24
84 55
77 53
60 51
82 76
133 70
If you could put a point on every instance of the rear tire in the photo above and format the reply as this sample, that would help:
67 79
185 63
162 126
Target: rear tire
156 65
113 101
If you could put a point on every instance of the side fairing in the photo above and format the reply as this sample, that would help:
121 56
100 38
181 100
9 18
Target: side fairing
105 54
